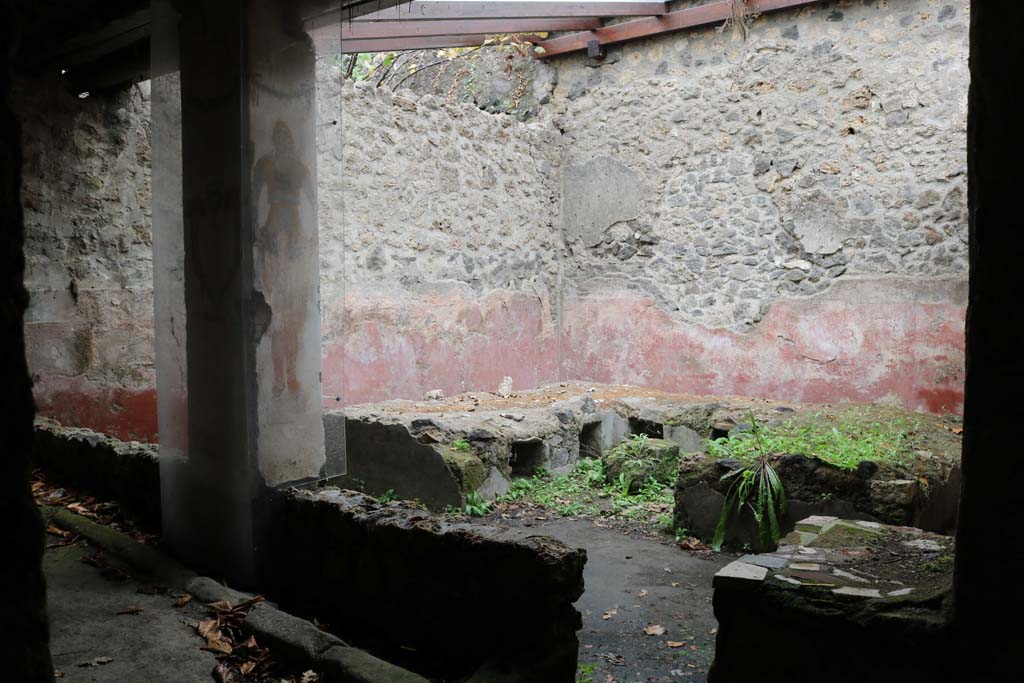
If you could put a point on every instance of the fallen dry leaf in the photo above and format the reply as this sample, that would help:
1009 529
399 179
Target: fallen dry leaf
247 668
675 643
96 661
612 658
609 614
81 509
218 645
183 600
206 627
957 430
221 672
132 609
654 630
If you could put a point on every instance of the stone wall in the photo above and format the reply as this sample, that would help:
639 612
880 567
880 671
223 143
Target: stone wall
449 244
441 273
88 250
789 216
781 217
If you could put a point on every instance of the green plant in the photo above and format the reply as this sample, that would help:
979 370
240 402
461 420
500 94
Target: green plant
637 446
476 506
844 441
387 496
461 444
623 483
585 673
757 486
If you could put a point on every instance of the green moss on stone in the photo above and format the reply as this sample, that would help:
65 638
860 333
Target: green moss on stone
469 470
844 534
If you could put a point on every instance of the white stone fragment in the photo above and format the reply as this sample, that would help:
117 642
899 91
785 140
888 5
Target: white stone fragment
859 592
788 579
923 544
739 574
805 566
848 575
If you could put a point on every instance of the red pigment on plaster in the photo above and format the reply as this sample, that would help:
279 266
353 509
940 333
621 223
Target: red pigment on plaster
128 414
404 348
816 351
822 351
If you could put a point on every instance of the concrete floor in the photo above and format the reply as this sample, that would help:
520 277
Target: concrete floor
151 646
618 568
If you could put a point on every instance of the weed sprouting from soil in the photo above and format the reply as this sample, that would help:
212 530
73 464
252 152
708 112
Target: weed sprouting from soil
584 491
844 440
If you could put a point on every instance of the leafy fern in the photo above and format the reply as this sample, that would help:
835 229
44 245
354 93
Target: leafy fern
757 486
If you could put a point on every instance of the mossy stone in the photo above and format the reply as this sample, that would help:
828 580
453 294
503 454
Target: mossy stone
655 459
844 534
469 470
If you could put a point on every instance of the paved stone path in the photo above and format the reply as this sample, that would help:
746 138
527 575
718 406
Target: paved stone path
677 597
153 645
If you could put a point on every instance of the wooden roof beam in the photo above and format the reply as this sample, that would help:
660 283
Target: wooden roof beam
414 29
691 17
464 9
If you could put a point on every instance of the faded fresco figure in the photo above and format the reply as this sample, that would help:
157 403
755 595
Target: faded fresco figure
282 242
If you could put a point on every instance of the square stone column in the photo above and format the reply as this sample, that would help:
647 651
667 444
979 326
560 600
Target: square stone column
236 272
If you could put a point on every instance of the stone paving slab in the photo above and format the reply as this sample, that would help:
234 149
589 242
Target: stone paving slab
824 552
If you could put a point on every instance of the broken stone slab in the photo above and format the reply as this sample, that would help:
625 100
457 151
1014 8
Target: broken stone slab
739 575
687 439
815 524
766 561
844 534
494 485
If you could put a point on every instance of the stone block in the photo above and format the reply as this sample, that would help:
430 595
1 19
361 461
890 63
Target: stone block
350 665
739 575
815 524
844 534
767 561
291 639
688 440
